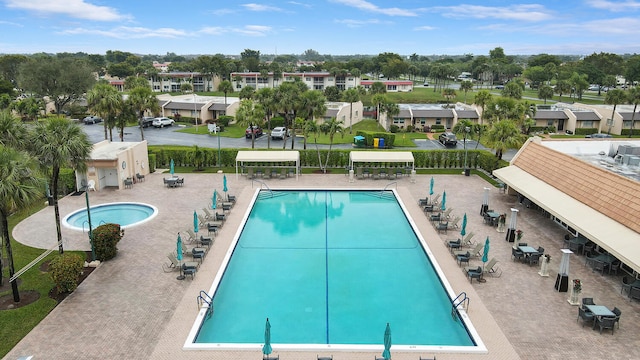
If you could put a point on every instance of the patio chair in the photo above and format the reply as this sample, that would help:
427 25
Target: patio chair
180 182
463 258
212 228
442 227
250 174
472 253
220 217
274 173
475 274
195 252
226 207
139 177
188 271
454 244
375 174
435 217
205 241
436 199
540 250
634 293
533 258
599 266
491 269
605 322
626 284
231 198
614 268
618 312
428 208
587 301
174 263
517 254
586 316
91 185
283 174
466 241
423 202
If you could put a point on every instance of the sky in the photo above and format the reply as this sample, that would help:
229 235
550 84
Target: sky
336 27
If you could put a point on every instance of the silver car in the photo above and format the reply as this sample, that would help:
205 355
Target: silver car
162 122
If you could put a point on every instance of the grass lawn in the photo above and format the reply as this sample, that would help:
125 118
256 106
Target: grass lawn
16 323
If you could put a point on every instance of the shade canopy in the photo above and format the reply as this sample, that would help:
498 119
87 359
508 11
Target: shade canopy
287 157
405 157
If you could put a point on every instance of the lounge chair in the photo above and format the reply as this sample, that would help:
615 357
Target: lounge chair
472 253
454 223
231 198
202 221
423 202
207 214
205 241
491 269
283 174
192 236
359 174
375 174
175 264
91 185
212 228
466 241
435 199
195 252
226 207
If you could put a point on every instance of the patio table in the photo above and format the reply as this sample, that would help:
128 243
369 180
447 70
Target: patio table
600 311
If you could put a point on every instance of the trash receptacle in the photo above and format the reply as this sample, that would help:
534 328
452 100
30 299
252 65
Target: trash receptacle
381 143
376 141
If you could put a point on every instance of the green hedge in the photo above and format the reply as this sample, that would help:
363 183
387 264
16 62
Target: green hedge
427 159
626 131
389 138
585 131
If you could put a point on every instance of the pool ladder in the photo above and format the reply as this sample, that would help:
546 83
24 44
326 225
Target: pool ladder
383 192
262 183
461 299
204 298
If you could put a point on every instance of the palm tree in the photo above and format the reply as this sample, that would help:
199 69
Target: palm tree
225 87
448 94
59 143
351 96
466 86
390 109
331 128
545 92
614 97
12 132
504 135
266 98
142 99
104 100
250 114
482 98
378 100
562 87
21 185
634 98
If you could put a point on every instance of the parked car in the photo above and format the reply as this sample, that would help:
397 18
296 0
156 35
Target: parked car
499 87
146 121
280 132
593 88
425 84
599 136
162 122
92 119
448 139
257 131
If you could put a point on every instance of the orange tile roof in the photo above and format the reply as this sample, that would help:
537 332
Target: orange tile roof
611 194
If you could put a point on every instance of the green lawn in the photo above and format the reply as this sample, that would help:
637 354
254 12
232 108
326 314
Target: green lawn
16 323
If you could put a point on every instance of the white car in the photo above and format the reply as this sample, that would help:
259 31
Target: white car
162 122
280 132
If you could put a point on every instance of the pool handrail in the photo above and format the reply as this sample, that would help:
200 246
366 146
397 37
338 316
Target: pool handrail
262 184
205 299
461 299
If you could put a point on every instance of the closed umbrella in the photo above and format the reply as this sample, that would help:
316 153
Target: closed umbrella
430 189
195 222
224 184
214 200
463 230
266 349
179 255
386 354
485 254
171 167
444 201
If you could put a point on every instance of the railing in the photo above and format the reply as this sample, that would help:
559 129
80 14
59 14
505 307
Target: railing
204 298
383 191
461 299
262 183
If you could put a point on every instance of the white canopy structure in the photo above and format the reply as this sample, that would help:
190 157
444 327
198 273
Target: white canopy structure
405 157
251 158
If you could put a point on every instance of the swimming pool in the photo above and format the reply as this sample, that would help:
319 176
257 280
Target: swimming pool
330 269
127 214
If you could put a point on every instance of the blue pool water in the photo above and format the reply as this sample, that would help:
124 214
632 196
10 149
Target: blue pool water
330 267
125 214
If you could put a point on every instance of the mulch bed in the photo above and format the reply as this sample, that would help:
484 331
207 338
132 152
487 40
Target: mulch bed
29 296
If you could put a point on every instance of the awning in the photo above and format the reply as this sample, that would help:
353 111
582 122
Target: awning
405 157
244 157
619 240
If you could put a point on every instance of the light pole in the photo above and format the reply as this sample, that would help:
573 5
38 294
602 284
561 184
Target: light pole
219 161
466 169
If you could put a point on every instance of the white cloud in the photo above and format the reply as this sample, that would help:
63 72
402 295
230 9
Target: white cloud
79 9
424 28
308 6
260 7
126 32
2 22
353 23
253 30
520 12
367 6
615 6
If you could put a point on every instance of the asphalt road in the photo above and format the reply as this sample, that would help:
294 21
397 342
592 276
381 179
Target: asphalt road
169 136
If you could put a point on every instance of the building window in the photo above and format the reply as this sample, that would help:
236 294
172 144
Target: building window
438 121
587 124
307 79
392 88
550 122
356 113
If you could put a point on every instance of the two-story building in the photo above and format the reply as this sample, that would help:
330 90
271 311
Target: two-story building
313 80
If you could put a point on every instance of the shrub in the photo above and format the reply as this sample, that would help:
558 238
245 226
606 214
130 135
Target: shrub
585 131
224 120
105 239
65 271
394 128
277 121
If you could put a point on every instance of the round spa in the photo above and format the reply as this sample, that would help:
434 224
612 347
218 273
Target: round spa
127 214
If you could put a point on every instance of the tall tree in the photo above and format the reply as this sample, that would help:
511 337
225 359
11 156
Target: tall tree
250 114
634 98
377 87
390 109
545 92
251 59
59 143
21 185
331 128
105 101
351 96
466 86
142 99
614 97
449 94
225 87
311 105
504 135
562 87
266 98
62 80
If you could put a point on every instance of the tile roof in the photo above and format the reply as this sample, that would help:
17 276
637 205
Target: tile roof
467 114
586 115
433 113
550 114
611 194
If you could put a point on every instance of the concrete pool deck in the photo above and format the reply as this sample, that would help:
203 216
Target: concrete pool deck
130 308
